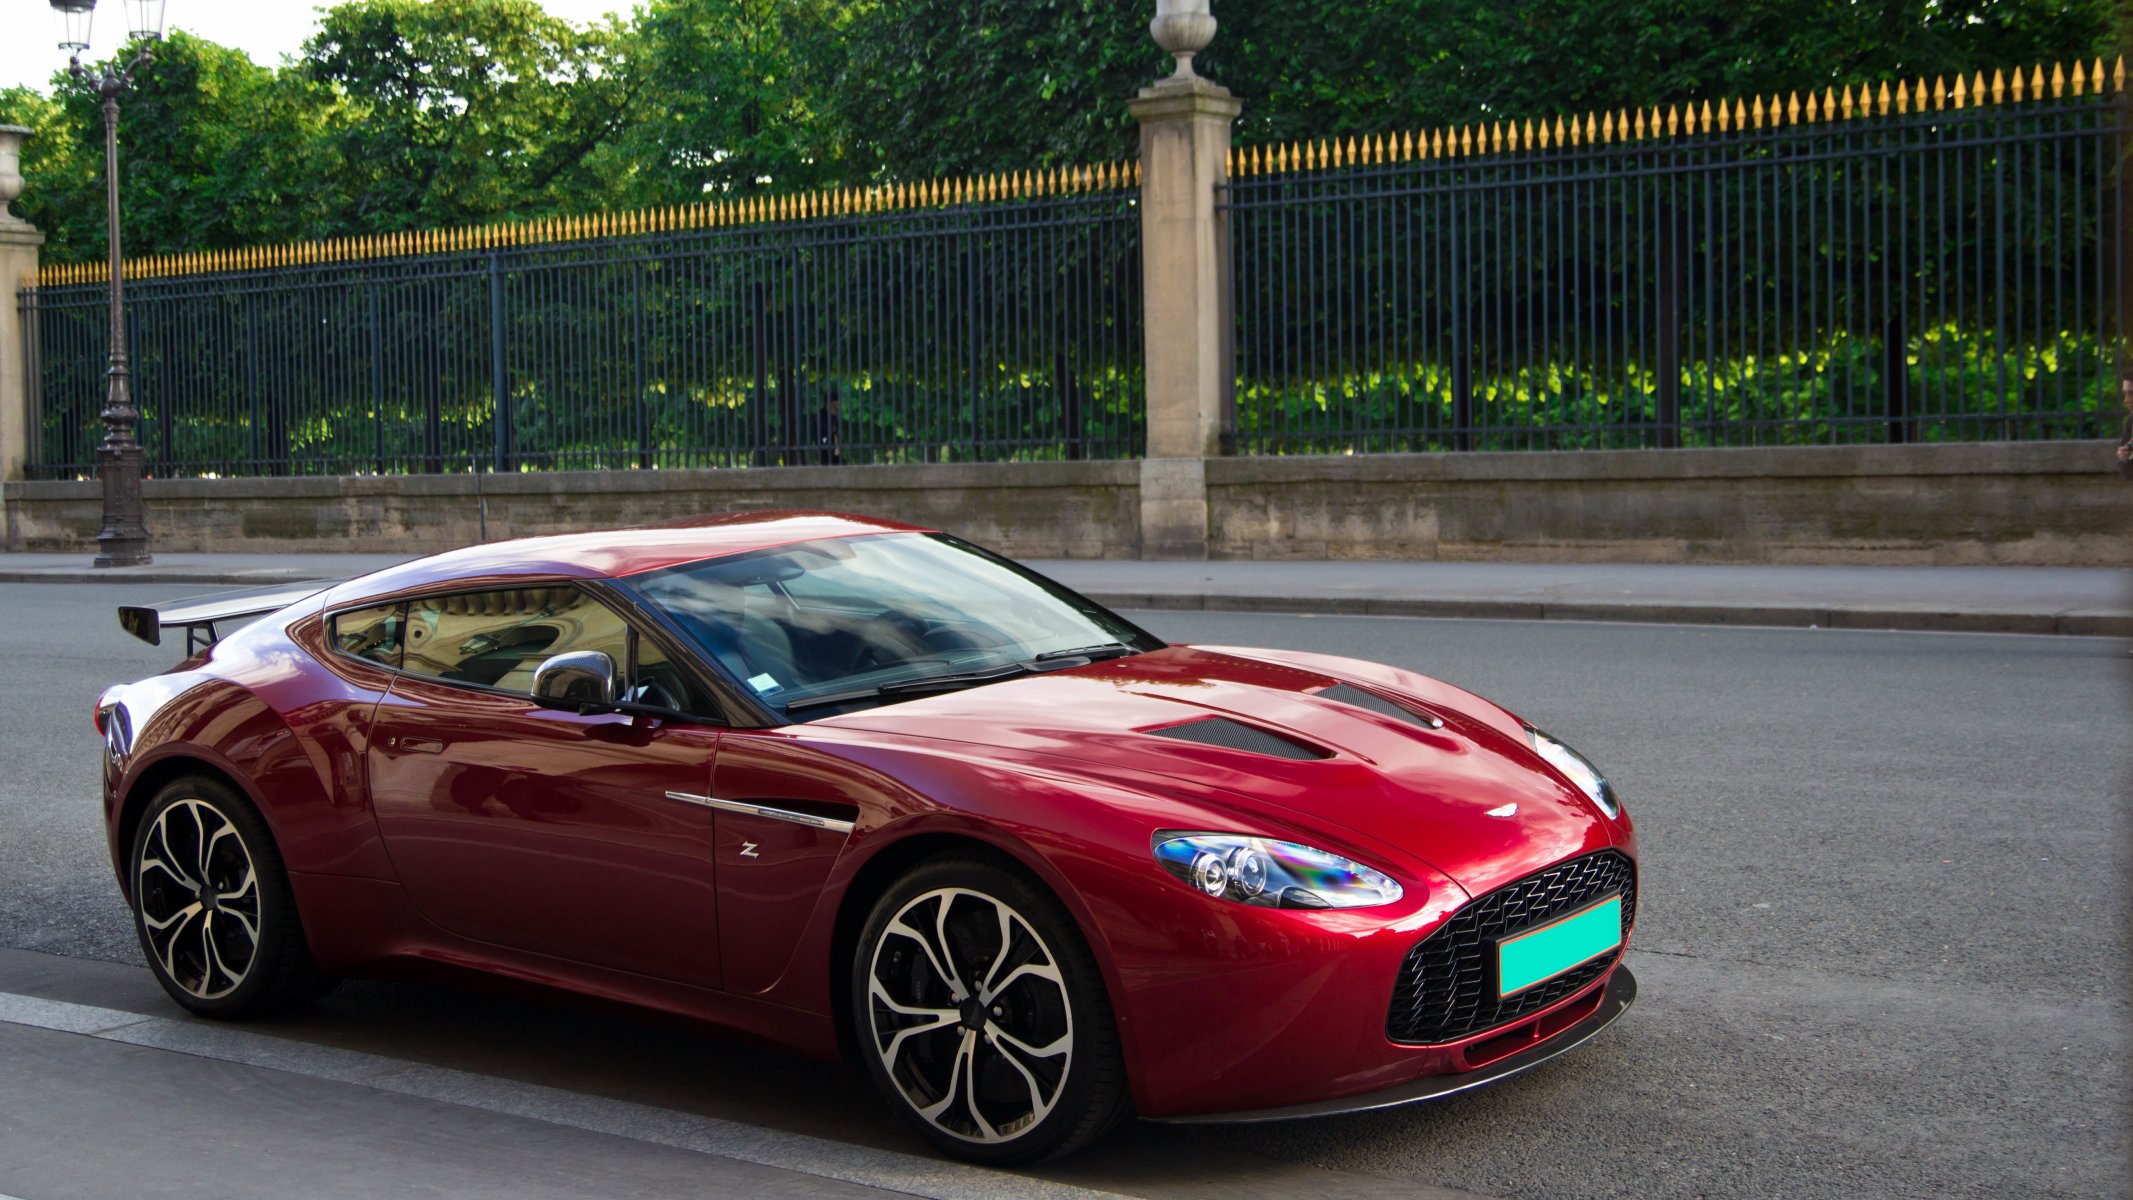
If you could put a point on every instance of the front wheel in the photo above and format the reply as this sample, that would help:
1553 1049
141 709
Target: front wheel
212 905
982 1016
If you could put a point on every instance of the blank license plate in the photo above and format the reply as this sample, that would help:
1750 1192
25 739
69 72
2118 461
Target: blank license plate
1544 953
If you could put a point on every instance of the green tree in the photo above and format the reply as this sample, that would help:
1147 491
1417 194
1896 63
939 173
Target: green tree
456 111
214 152
926 86
735 99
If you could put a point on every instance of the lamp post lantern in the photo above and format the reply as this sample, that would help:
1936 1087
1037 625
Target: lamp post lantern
123 539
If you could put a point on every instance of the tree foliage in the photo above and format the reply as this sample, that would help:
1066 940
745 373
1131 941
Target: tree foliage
417 113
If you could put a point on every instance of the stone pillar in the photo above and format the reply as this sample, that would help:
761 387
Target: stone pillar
19 241
1185 125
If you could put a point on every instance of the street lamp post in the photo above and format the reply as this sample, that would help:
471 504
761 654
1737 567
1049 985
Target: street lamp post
123 540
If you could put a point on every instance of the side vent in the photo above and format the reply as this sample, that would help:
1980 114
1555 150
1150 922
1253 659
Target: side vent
1379 704
1236 735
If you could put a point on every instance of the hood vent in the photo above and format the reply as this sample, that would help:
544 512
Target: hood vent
1379 704
1236 735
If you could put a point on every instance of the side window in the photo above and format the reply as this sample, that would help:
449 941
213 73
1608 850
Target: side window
371 633
656 679
496 639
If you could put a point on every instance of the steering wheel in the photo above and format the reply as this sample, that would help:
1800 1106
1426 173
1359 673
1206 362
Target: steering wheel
884 632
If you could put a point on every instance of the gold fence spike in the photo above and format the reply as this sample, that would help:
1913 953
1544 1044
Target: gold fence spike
1882 105
2119 76
1977 89
2058 80
1999 86
1496 137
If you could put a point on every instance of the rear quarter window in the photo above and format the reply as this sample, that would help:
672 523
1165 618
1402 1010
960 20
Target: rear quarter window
372 634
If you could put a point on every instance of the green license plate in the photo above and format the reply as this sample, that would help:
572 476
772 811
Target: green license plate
1547 952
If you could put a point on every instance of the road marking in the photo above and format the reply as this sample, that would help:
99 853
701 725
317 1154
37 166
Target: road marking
936 1179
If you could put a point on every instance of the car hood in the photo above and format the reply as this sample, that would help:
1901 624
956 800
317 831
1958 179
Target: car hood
1468 798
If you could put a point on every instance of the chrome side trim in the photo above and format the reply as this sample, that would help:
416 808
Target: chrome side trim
763 810
1620 994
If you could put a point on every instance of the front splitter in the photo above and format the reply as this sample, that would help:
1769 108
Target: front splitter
1620 994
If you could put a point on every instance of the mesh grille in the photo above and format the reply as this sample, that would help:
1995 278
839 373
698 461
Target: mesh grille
1447 986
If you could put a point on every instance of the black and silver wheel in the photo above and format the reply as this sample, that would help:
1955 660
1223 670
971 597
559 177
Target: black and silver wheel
212 905
982 1016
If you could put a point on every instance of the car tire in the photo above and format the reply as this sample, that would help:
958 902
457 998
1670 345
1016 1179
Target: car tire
212 905
981 1015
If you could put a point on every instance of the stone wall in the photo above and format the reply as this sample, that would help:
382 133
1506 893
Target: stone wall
2033 503
1037 510
2056 504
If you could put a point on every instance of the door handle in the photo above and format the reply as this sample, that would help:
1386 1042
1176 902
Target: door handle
416 745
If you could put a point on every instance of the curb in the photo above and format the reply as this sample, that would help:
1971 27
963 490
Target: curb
1779 616
155 575
2092 624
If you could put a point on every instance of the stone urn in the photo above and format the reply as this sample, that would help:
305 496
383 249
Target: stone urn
1183 27
11 139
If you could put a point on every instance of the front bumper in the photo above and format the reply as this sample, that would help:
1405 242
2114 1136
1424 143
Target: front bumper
1615 998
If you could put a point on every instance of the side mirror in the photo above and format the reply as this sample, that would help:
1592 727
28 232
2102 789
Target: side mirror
582 680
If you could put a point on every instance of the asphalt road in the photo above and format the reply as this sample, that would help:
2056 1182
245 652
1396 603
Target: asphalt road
1882 946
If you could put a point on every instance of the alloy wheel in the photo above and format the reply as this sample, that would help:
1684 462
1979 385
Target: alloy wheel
970 1015
198 892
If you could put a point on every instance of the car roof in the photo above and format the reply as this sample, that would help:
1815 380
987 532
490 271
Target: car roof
615 553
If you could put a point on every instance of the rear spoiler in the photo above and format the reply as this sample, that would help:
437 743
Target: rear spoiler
206 618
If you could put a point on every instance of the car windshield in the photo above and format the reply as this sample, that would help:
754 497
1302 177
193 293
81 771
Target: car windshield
827 626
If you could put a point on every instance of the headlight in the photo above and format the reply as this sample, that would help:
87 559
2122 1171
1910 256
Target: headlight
1578 770
1270 874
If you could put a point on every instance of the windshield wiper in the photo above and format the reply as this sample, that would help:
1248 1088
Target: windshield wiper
930 683
1094 653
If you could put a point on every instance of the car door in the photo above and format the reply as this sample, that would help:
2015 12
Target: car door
546 831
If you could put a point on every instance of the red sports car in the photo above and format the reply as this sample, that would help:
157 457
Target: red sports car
865 789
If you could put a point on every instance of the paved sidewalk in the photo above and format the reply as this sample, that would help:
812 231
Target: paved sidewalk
2090 601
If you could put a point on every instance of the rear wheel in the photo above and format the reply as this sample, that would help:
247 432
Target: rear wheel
212 905
982 1016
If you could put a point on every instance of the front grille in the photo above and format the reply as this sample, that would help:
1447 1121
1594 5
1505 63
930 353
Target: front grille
1447 986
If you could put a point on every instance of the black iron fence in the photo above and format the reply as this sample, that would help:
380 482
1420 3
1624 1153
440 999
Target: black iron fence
1908 270
973 331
